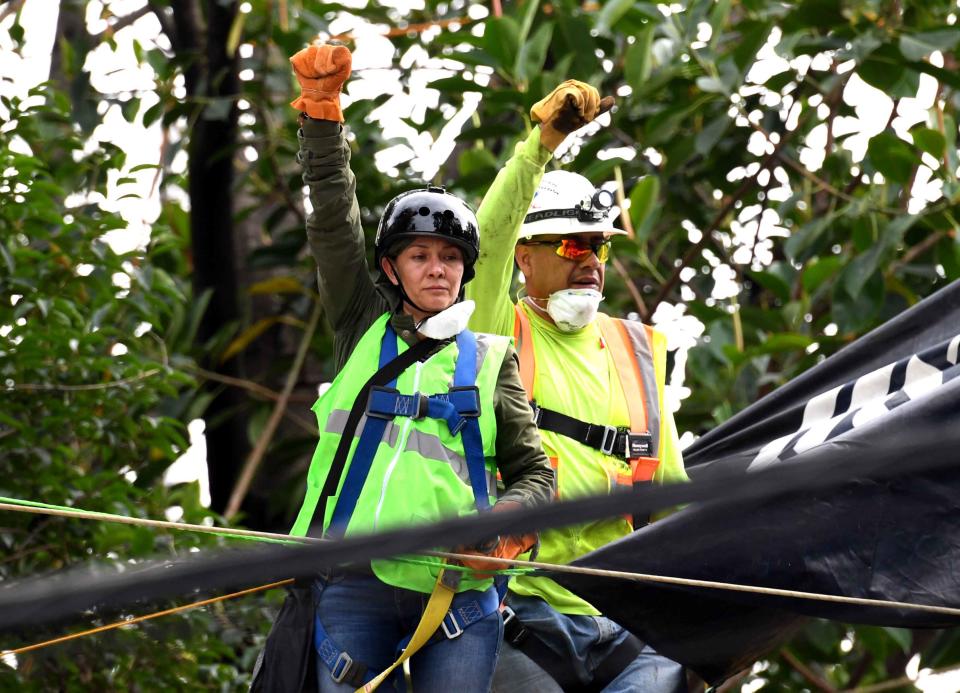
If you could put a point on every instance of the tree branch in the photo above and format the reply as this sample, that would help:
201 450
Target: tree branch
256 455
124 22
632 288
293 205
806 672
917 250
166 26
12 8
707 236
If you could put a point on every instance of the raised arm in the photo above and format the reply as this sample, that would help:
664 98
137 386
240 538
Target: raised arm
570 106
333 226
500 217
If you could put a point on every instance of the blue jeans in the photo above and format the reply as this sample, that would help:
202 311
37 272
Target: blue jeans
368 618
584 642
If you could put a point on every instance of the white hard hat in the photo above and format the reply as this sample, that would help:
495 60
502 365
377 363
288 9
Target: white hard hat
567 203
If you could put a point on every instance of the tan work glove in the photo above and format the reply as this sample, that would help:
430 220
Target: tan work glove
567 108
321 71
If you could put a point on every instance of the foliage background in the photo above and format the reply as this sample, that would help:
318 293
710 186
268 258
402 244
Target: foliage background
757 206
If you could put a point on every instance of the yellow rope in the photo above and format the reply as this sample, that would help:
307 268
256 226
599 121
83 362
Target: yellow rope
140 619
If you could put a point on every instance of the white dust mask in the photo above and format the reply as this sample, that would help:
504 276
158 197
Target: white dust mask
573 309
449 322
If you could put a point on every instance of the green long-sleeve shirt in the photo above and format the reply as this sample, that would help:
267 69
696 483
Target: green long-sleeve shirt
352 302
575 376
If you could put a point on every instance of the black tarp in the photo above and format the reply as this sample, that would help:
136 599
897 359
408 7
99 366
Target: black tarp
897 538
862 507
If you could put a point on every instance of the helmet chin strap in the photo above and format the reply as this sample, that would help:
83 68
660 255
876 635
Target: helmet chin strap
406 297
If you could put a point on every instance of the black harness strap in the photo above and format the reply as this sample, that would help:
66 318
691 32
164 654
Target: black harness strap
393 369
610 440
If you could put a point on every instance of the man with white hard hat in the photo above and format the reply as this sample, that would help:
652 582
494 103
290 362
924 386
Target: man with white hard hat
596 385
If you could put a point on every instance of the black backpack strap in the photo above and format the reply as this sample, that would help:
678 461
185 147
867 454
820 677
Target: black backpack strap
288 662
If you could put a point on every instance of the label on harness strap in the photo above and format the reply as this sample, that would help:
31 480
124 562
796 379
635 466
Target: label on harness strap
639 445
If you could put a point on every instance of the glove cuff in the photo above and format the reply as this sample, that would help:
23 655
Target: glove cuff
550 137
319 109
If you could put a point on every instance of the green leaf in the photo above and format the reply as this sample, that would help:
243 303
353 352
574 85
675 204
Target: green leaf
610 14
772 283
884 69
753 36
892 156
866 265
129 109
901 636
475 160
855 313
643 203
776 343
639 59
501 39
711 134
455 85
819 271
919 46
276 285
814 14
930 141
804 239
533 52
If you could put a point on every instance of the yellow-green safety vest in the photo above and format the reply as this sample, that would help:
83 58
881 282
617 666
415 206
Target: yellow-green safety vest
419 473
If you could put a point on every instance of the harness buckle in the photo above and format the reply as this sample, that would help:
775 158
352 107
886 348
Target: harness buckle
514 632
422 406
466 400
382 402
341 668
508 614
609 440
537 412
454 631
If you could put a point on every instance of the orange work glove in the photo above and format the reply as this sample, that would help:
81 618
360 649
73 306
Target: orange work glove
508 547
567 108
321 71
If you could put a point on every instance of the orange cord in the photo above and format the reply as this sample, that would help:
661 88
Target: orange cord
139 619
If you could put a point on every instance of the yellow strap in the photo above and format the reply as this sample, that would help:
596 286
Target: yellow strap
437 607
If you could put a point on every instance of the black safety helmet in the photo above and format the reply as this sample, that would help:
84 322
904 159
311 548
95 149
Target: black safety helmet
430 212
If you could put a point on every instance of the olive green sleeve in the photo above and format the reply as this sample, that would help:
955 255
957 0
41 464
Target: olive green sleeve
336 239
523 466
500 217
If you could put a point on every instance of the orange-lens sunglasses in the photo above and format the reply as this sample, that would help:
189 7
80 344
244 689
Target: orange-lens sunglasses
576 249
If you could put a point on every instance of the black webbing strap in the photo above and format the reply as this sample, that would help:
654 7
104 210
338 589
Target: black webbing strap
614 664
390 371
559 668
610 440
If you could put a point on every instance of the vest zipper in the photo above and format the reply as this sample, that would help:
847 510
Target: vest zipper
401 446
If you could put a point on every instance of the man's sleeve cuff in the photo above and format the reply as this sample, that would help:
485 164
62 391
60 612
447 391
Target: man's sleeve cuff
532 150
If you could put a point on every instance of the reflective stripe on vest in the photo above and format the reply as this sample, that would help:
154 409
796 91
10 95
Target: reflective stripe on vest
386 403
630 349
425 444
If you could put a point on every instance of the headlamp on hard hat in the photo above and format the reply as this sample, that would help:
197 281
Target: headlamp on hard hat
593 208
